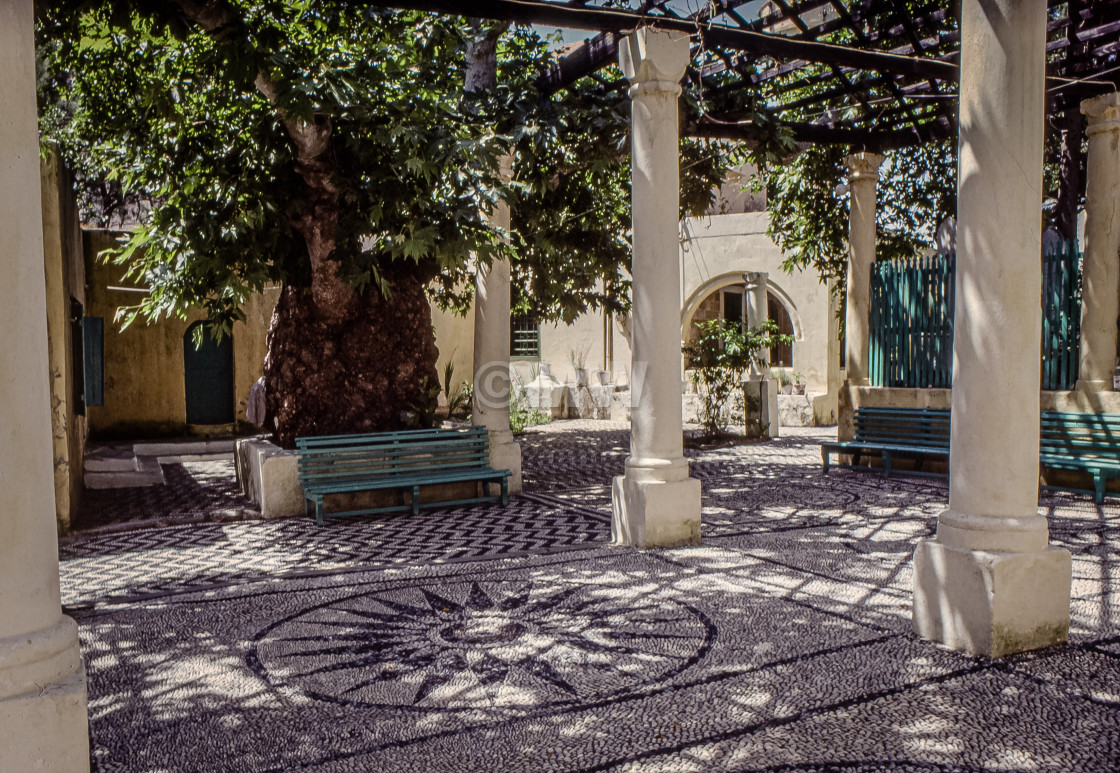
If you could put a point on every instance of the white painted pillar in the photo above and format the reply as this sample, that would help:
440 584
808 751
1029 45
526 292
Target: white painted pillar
989 583
490 405
42 680
862 179
1100 303
656 503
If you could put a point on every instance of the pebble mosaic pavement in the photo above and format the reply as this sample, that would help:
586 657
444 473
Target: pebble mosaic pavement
491 639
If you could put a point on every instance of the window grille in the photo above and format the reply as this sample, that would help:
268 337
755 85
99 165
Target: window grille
524 338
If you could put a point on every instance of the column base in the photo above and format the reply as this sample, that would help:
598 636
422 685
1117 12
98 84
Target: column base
43 724
992 604
655 514
505 454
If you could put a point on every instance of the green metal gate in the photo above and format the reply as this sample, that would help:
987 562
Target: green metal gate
911 323
1061 316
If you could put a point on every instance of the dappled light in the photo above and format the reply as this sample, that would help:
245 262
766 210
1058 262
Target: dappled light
515 638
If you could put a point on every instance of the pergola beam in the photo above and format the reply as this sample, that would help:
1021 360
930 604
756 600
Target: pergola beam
868 139
756 43
918 56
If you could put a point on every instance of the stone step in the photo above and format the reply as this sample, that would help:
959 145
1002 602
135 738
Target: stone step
115 458
147 473
186 450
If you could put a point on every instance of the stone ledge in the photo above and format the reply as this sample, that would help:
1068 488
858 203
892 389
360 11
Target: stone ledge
268 476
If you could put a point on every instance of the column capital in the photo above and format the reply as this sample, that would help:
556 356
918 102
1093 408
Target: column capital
864 165
649 54
753 279
1102 112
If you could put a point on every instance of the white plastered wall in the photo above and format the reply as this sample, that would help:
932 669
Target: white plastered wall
716 251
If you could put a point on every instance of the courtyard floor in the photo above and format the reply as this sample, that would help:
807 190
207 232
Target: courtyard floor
516 639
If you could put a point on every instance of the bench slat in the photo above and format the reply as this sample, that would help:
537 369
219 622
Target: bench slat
887 432
1068 440
335 464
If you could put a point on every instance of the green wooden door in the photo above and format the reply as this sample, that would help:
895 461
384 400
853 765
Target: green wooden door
209 378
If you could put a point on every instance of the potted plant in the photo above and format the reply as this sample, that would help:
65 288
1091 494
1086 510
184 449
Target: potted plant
785 381
578 359
798 383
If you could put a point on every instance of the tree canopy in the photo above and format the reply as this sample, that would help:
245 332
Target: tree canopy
231 128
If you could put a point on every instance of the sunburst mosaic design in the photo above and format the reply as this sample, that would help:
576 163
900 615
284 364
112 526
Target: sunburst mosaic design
471 646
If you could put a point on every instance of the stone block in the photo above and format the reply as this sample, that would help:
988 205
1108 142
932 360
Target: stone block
43 701
991 604
620 405
593 402
269 477
655 514
795 410
46 729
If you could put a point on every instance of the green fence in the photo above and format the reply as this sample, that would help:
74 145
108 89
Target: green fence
911 325
1061 316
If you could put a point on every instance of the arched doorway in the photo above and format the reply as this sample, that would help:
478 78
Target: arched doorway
208 374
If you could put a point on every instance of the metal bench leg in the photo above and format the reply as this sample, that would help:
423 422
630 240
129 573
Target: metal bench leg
319 511
505 492
415 500
886 464
824 459
1098 484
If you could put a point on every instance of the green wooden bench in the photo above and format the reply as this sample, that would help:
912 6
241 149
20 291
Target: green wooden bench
400 461
1083 442
910 433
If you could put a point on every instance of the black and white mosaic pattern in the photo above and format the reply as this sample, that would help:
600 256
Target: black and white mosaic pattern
194 491
479 645
484 639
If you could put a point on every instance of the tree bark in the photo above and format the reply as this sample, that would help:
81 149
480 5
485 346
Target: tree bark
372 370
339 361
482 54
1070 178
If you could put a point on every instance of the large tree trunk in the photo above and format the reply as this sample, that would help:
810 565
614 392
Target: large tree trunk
370 369
338 361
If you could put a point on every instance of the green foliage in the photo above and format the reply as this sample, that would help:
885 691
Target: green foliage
175 117
424 405
808 202
459 399
719 357
169 124
521 415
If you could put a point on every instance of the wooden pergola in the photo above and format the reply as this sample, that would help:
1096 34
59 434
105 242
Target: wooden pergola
870 74
874 74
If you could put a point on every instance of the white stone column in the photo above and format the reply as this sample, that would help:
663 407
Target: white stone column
757 296
42 680
1100 303
656 503
490 405
862 180
989 583
756 309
